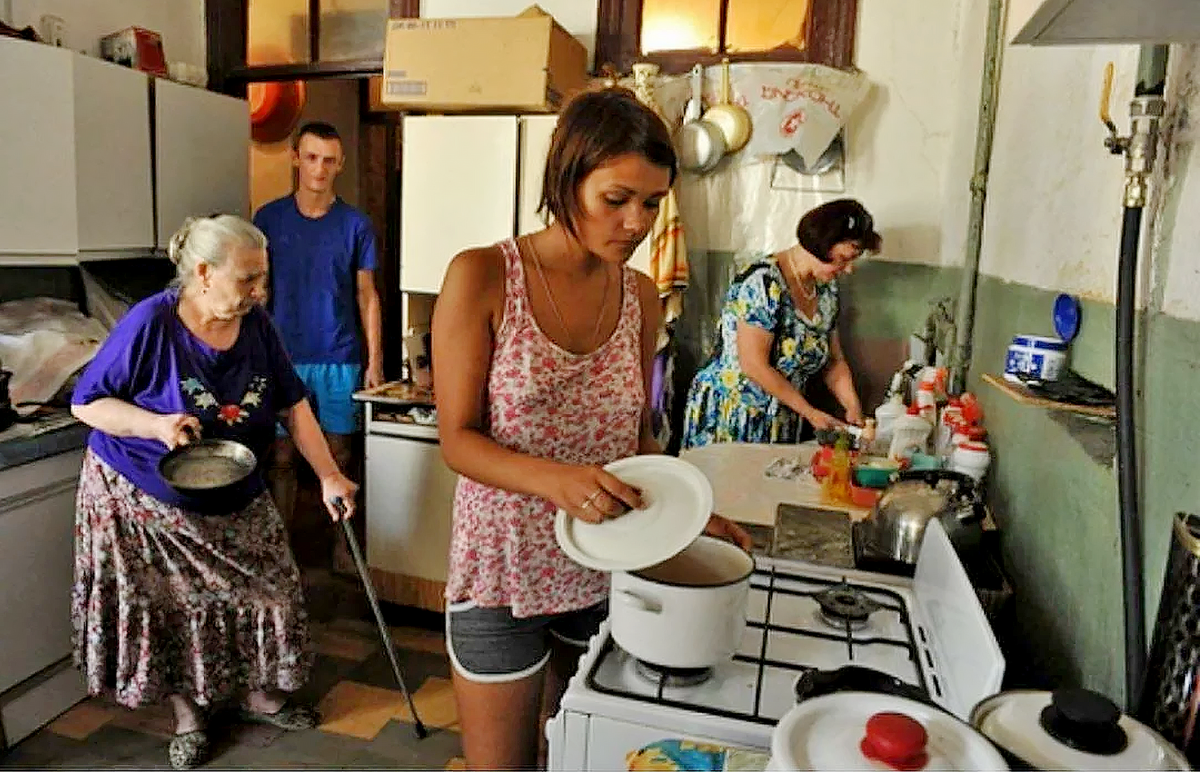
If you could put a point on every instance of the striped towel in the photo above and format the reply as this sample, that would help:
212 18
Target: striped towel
668 258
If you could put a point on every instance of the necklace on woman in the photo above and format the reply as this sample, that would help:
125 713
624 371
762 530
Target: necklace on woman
805 291
537 263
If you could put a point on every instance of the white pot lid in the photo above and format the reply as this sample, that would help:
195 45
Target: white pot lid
678 500
1040 728
831 732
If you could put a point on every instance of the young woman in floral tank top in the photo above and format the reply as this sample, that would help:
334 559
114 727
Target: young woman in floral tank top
542 349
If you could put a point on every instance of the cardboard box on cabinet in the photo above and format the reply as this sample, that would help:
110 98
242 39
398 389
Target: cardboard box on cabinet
525 63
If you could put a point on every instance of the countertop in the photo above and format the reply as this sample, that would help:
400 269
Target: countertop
741 490
24 443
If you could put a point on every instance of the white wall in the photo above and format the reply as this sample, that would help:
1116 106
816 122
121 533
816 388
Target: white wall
1053 215
576 16
180 22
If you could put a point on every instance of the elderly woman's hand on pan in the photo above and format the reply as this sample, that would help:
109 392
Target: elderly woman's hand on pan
175 429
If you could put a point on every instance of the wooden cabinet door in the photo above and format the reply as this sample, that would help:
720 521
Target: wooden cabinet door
458 190
203 155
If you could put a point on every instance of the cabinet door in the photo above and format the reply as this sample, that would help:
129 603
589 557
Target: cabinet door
410 506
458 190
37 154
536 131
112 156
203 155
37 527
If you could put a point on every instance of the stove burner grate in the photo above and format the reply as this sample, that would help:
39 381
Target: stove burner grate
843 605
660 675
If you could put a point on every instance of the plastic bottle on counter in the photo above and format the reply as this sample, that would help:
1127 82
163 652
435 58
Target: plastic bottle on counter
972 458
886 416
836 485
911 433
926 401
948 423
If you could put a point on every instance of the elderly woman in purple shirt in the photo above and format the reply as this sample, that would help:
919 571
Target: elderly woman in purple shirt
174 597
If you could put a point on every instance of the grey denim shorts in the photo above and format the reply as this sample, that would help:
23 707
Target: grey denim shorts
490 645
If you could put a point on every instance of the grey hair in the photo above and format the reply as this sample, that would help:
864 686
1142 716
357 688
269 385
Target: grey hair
209 240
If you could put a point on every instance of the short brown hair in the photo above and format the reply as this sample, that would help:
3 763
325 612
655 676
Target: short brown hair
593 128
318 129
830 224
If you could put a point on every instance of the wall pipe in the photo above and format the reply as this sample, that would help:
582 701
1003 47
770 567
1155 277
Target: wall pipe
1146 111
964 318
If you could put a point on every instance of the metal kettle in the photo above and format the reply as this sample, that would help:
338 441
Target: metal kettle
896 525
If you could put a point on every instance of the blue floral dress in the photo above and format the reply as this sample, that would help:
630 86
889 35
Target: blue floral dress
723 404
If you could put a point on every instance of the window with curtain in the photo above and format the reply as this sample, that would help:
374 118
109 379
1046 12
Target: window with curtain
676 34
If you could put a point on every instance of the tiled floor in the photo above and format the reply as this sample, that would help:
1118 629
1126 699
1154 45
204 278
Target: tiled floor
365 722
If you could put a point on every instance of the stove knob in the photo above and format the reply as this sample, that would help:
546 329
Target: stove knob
896 740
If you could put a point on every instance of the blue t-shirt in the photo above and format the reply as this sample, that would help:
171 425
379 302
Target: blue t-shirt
314 278
153 360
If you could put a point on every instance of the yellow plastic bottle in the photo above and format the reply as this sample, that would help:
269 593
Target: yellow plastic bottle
836 486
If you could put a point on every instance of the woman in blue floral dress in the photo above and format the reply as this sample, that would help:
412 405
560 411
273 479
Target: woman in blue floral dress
778 328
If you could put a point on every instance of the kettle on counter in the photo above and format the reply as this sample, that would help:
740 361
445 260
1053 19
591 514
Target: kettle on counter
894 528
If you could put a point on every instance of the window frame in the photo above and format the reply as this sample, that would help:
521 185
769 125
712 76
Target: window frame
227 30
829 39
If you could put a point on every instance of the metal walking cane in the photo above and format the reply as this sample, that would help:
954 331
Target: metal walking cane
388 645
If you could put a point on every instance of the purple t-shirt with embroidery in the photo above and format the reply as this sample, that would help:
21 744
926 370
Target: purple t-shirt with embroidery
152 360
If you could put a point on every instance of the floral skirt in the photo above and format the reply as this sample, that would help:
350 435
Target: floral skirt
169 602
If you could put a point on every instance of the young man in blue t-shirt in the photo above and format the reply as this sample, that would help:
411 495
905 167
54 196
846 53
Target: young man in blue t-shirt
323 299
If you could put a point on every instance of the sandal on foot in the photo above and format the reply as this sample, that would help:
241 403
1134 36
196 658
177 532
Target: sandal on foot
188 750
291 716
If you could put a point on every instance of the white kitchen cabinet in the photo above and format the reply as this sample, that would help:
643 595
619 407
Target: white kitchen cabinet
536 132
37 525
458 191
470 181
76 155
409 500
202 158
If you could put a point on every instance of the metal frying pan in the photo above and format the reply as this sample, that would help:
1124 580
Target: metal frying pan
700 143
207 467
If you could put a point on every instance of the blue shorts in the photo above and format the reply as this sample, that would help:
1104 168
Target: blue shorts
330 392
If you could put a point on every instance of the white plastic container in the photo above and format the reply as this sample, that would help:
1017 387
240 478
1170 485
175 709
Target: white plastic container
971 458
911 433
951 416
1035 357
886 416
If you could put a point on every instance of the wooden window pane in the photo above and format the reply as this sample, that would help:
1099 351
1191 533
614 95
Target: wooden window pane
680 25
352 29
761 25
278 32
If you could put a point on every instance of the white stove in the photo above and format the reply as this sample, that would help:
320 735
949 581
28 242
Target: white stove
929 631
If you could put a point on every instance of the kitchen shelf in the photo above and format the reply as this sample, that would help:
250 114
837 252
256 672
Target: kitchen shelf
1026 397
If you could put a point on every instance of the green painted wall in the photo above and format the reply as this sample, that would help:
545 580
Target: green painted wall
1053 486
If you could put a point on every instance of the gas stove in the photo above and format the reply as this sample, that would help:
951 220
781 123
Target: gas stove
928 632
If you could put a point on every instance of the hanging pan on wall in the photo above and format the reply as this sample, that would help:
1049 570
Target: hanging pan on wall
275 108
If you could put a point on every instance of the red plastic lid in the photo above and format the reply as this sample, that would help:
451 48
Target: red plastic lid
974 445
976 433
896 740
914 410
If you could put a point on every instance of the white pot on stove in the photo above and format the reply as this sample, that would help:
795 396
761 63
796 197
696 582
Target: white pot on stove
688 611
866 730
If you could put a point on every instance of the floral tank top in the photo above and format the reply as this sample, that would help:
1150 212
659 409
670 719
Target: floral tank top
544 401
